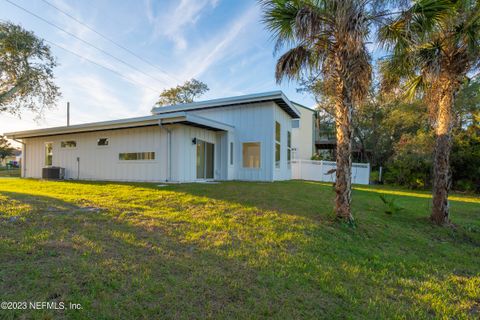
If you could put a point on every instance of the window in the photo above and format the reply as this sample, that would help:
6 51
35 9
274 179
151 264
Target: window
231 153
137 156
277 144
289 147
68 144
102 142
295 123
48 153
251 154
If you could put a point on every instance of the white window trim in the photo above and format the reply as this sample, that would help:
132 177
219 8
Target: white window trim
103 147
279 142
45 154
68 148
231 154
261 161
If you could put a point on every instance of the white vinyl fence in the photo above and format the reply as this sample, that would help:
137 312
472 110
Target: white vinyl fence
318 171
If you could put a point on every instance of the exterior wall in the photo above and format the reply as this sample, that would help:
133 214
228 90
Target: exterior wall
285 170
102 163
184 165
302 138
253 123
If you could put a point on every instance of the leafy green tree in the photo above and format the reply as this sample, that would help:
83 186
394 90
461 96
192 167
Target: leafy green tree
434 45
184 93
26 71
328 38
5 148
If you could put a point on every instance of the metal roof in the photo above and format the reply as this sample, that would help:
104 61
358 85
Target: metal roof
154 120
162 113
276 96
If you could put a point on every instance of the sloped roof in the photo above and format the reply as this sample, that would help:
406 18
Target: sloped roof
276 96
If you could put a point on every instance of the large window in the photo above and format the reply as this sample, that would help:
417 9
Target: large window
231 153
137 156
251 154
278 134
48 154
68 144
289 147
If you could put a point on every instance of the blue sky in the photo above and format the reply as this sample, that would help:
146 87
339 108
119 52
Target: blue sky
220 42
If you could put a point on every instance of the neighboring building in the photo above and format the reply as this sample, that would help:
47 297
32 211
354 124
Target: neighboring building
239 138
303 132
15 159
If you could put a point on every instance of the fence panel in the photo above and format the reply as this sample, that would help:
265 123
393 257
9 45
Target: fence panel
324 171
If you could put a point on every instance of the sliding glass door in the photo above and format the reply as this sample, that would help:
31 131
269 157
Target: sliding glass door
205 159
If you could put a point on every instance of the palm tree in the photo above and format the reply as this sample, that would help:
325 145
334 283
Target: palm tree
434 45
328 38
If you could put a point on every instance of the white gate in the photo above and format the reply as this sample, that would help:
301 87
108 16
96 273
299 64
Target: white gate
319 171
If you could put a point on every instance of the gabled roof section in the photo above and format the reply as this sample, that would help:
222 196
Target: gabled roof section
276 96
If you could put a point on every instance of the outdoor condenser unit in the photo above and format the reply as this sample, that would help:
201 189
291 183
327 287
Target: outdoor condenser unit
54 173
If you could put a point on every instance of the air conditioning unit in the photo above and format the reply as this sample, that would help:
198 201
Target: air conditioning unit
54 173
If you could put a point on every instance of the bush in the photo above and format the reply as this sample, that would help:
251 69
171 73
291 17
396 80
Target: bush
411 164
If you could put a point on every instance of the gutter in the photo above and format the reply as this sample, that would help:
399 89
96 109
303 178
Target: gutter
169 150
24 156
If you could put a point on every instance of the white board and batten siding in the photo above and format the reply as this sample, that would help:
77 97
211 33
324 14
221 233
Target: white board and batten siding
253 123
102 162
285 121
318 171
184 151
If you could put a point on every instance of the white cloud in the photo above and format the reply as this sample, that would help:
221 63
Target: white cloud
172 23
222 45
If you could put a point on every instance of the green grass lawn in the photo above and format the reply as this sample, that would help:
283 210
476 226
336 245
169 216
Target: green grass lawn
233 250
4 172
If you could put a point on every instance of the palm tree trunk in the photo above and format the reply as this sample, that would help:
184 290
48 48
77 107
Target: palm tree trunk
441 169
343 114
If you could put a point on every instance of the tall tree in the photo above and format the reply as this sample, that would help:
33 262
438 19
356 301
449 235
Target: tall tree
184 93
26 71
327 37
434 44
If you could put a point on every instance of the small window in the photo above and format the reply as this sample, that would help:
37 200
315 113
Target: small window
251 154
289 147
278 134
102 142
137 156
295 123
231 153
68 144
48 154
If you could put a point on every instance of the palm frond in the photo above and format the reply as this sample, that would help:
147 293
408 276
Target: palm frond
414 87
290 64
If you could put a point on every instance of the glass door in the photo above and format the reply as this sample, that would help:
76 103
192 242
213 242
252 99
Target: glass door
205 160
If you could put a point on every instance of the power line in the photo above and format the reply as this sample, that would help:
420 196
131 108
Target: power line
109 39
97 64
102 66
82 40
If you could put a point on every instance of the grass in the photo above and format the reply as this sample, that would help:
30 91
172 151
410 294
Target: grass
233 250
4 172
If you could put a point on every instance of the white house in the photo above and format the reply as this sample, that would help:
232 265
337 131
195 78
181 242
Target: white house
303 133
240 138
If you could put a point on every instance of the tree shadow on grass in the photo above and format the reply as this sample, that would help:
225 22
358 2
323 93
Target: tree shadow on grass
121 268
195 258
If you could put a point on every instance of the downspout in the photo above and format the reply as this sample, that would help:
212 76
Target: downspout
24 156
169 150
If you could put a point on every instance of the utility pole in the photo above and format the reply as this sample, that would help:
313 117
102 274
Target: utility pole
68 114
